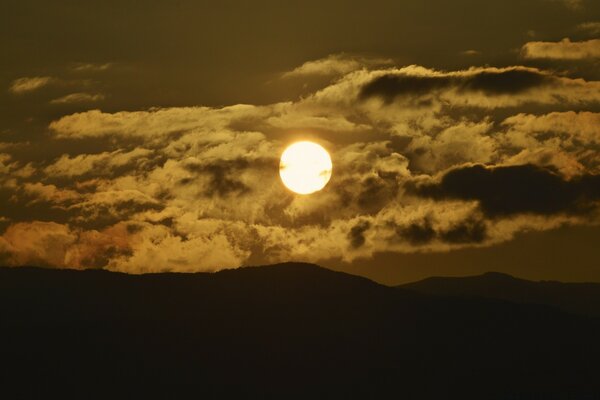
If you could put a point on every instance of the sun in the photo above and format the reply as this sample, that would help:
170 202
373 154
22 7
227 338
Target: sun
305 167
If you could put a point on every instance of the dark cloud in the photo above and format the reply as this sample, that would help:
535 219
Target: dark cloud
490 82
19 204
222 183
134 228
511 81
417 233
389 87
100 259
377 191
222 174
469 231
509 190
356 235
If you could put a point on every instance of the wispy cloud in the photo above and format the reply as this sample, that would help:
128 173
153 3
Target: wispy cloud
91 67
571 4
80 97
593 28
563 50
29 84
335 64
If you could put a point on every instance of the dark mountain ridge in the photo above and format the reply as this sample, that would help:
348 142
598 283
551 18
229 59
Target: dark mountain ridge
579 298
284 331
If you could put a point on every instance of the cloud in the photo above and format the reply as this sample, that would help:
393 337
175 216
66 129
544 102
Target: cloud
581 126
335 64
574 4
471 53
39 192
56 245
344 108
80 97
569 127
462 142
107 207
571 4
91 67
29 84
223 175
101 164
156 248
36 243
508 190
565 141
486 88
593 28
490 82
427 231
468 231
563 50
119 248
158 122
4 161
417 233
197 188
356 234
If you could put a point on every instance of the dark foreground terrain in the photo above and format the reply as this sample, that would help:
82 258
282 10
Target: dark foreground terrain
578 298
283 331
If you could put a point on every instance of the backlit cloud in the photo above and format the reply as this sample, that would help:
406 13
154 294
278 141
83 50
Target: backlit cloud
29 84
520 189
593 28
425 160
563 50
91 67
79 97
335 64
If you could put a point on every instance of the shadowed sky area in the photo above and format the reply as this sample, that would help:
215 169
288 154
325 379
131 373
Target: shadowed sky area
145 136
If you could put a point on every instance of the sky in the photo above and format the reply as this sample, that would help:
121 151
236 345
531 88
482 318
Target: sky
145 136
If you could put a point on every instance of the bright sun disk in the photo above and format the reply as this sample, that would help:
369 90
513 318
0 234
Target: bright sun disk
305 167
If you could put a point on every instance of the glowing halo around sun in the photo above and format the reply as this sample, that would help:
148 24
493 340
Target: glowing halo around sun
305 167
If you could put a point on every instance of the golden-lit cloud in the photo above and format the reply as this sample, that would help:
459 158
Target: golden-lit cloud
563 140
563 50
29 84
335 64
91 67
155 123
48 193
36 243
592 27
102 164
197 188
79 97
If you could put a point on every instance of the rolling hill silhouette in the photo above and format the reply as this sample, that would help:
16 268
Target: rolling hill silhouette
284 331
580 298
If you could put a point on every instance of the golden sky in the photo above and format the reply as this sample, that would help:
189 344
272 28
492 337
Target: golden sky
144 137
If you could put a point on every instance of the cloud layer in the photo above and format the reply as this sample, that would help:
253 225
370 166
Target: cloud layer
424 160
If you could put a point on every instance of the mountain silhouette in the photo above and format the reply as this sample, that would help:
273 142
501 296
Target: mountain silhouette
283 331
580 298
